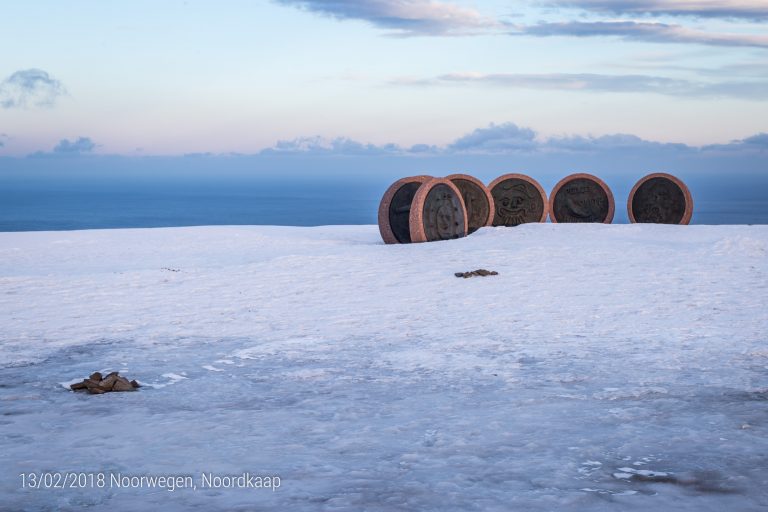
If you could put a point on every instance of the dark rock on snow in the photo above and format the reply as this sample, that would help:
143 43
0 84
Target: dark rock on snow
479 272
96 385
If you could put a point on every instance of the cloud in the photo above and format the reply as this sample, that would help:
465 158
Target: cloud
79 146
510 138
339 146
404 17
615 142
640 31
750 90
423 149
506 137
495 141
745 9
757 143
503 138
30 87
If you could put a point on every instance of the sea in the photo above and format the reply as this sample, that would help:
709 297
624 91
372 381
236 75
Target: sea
58 204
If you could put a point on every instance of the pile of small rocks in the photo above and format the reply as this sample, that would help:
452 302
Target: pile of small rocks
97 385
478 272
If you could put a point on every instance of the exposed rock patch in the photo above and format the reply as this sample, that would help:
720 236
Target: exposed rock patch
96 384
479 272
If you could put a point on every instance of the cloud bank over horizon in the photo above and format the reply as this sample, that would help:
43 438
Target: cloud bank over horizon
493 139
509 138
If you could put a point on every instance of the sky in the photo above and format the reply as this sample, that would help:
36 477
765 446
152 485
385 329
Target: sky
178 77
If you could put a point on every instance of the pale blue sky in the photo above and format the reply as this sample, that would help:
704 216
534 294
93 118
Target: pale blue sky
175 77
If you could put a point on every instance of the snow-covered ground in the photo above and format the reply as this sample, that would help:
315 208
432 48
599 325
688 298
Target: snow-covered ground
619 367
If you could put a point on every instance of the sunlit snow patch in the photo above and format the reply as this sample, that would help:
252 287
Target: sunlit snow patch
173 378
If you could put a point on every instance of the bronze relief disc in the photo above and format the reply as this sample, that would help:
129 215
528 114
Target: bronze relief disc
437 212
395 209
660 198
581 198
477 201
518 199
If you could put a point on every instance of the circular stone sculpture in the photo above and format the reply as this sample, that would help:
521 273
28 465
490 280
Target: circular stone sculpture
518 199
437 212
660 198
477 201
395 209
581 198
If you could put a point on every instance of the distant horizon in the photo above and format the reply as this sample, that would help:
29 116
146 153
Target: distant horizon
337 99
487 151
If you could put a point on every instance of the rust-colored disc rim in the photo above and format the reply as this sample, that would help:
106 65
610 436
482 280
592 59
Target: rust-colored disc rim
487 193
416 220
528 179
580 175
674 179
385 227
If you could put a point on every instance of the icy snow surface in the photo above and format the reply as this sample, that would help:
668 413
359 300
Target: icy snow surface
615 367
